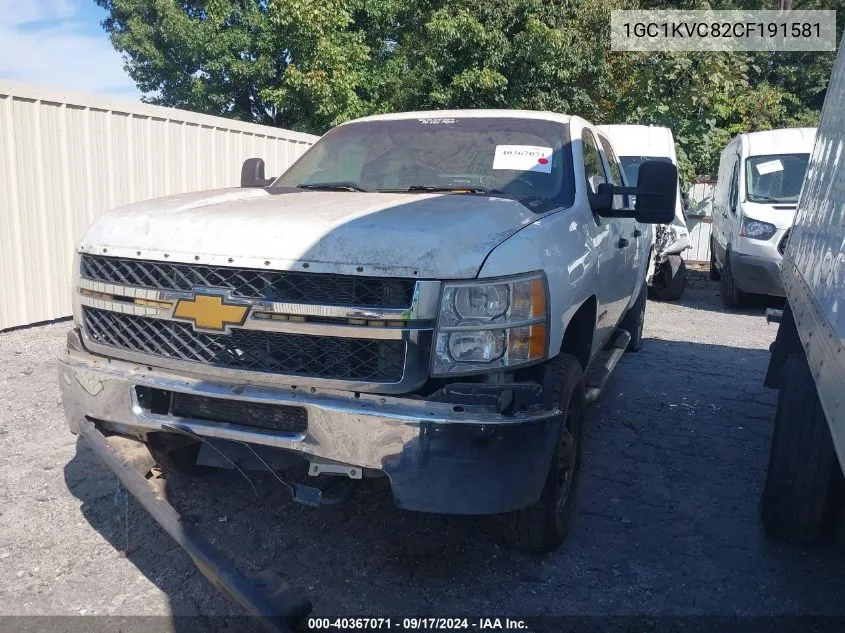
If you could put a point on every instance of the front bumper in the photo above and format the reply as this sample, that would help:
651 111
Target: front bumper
760 275
439 457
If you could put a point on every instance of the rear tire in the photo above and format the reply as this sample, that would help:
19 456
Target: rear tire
714 273
542 526
800 495
732 296
634 320
669 280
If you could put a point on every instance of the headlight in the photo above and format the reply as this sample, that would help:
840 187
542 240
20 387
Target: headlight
757 230
489 325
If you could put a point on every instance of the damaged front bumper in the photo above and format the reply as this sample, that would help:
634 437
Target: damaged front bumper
439 456
279 609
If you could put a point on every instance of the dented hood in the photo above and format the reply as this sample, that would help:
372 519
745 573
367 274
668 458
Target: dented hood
442 236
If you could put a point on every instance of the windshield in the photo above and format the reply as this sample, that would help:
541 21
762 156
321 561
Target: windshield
775 177
501 156
631 166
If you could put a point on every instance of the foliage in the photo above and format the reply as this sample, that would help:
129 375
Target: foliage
311 64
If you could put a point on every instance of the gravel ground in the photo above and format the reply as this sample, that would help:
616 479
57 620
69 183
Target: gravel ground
675 454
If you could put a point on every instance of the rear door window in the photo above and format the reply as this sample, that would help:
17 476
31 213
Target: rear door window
593 166
613 162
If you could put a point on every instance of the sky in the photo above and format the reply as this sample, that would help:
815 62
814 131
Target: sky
60 43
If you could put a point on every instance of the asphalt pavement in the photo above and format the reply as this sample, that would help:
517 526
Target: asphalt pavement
674 460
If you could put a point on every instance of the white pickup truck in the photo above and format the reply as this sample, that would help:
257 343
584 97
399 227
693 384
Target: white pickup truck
431 297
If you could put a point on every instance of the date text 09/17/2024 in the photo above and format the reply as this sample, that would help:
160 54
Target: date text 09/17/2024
416 624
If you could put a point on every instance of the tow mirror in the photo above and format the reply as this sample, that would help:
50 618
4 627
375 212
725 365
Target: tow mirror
252 173
656 191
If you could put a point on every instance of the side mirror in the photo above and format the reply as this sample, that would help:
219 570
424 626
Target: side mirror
656 191
657 186
252 173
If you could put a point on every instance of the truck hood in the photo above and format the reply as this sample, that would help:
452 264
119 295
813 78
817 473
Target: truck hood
441 236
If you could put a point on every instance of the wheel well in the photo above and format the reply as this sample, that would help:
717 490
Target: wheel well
578 338
786 342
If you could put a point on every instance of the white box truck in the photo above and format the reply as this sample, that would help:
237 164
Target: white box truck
802 493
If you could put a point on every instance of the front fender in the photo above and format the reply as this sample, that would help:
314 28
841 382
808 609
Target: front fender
560 245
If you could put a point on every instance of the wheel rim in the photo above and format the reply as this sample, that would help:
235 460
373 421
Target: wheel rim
641 321
566 464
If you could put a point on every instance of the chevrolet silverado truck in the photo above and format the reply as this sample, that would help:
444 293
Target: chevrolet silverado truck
430 297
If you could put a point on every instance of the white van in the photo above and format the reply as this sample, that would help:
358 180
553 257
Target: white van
760 177
636 144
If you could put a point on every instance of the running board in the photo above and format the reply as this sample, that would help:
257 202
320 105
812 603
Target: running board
603 365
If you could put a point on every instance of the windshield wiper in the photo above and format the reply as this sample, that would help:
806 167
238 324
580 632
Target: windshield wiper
761 198
331 186
453 188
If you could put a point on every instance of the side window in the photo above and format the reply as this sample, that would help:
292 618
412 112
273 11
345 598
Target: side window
615 171
613 161
593 167
733 196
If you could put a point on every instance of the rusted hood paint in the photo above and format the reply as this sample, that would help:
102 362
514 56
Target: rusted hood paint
442 236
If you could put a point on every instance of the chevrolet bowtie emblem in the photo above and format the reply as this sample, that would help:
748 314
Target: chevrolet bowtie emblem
210 312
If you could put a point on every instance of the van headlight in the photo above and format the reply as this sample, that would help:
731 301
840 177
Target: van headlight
755 229
488 325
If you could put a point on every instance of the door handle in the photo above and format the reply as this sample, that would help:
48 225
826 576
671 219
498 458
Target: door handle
623 242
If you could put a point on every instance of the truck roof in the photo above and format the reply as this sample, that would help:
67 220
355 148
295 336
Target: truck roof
798 140
641 140
458 114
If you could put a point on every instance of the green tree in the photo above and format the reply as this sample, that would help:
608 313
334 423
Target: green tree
210 56
310 65
282 62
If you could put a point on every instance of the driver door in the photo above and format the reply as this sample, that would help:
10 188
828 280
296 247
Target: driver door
631 239
613 284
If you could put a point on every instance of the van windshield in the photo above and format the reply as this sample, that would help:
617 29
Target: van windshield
775 177
505 156
631 166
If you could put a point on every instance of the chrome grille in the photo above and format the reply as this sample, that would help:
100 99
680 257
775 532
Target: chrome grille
364 360
293 287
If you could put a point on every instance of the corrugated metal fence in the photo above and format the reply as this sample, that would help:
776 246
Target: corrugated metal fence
66 158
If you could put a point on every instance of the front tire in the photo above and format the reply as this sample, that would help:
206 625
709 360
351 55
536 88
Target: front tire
713 273
799 497
544 525
732 296
634 320
669 280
